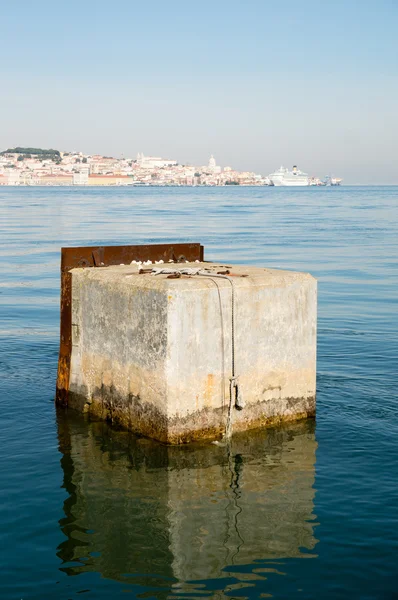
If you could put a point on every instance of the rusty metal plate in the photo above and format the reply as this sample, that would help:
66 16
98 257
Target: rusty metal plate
98 256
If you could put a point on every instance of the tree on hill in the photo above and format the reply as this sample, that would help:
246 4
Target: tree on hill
36 152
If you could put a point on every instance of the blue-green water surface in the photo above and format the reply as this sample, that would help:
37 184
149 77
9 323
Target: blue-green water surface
302 511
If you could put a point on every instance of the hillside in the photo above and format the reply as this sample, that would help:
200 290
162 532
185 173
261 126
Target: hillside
30 152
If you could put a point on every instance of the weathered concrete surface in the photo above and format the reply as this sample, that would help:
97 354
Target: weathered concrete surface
154 354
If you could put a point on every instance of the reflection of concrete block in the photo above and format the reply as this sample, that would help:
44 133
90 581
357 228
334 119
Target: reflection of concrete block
167 515
155 354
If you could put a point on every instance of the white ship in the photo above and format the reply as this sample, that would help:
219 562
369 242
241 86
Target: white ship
333 180
284 177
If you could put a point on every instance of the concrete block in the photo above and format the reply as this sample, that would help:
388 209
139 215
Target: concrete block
154 354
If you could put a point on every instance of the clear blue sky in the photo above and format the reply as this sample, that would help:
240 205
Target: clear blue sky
257 83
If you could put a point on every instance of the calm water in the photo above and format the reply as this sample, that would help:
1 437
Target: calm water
305 511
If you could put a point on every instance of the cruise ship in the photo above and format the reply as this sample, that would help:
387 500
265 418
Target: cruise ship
284 177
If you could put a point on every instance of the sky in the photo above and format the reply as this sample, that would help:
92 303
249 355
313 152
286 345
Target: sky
257 83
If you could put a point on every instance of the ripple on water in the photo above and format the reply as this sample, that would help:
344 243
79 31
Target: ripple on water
309 510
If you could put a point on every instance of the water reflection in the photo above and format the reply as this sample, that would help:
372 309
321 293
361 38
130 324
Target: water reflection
160 517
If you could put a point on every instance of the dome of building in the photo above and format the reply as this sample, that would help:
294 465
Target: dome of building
212 162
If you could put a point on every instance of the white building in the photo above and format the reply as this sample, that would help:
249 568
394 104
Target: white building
212 167
81 178
154 162
14 177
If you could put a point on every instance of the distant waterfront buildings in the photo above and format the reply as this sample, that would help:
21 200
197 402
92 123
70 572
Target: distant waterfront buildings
35 166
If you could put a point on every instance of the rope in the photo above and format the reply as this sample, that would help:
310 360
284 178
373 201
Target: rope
235 393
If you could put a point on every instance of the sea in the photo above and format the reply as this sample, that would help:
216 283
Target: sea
308 510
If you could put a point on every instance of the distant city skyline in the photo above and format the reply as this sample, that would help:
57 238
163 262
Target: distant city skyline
258 84
51 166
